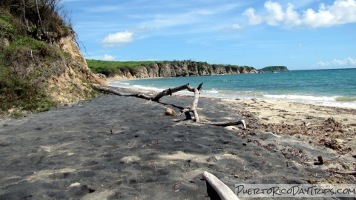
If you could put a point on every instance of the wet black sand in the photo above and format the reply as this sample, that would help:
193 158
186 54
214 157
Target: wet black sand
116 147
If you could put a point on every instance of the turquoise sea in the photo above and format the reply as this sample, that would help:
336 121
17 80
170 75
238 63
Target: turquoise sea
331 87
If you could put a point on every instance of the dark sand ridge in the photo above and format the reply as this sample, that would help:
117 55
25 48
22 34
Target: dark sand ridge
124 147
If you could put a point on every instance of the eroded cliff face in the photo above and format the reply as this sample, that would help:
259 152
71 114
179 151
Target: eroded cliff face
40 64
183 68
73 84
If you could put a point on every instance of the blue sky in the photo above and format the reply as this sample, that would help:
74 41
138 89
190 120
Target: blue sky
306 34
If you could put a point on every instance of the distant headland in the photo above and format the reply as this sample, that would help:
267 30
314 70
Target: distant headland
273 69
152 69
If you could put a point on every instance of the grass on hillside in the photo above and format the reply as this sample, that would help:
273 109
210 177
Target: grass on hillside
28 57
110 68
25 64
22 75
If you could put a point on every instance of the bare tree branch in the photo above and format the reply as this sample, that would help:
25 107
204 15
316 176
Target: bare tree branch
170 91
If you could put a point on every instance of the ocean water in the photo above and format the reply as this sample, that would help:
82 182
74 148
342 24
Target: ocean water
332 87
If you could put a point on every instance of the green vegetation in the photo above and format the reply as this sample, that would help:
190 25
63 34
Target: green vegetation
27 57
7 28
24 92
111 68
32 46
274 69
41 19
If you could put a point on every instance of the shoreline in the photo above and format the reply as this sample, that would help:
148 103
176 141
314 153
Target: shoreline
125 147
318 100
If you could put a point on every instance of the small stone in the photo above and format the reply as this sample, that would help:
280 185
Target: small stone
312 181
212 159
170 112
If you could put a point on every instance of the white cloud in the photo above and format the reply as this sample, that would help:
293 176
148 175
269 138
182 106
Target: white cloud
236 26
253 19
276 13
108 57
340 12
347 62
292 16
118 39
352 61
191 16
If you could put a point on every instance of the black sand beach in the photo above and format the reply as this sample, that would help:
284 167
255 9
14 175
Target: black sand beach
116 147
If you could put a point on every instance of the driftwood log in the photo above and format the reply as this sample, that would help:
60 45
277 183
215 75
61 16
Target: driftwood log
156 98
348 172
170 91
195 102
224 192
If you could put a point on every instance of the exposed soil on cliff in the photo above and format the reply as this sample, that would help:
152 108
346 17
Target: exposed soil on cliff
40 63
74 83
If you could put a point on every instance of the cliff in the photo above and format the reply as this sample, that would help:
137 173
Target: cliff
40 66
152 69
72 84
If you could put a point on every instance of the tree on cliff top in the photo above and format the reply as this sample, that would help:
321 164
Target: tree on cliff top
40 19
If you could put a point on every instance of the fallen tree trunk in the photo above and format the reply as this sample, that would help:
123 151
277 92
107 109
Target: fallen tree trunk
224 192
156 98
113 91
170 91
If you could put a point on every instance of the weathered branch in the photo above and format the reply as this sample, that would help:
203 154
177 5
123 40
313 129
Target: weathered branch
156 98
170 91
113 91
224 192
195 102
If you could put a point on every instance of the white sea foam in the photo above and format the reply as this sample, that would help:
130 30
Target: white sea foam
121 84
213 91
145 87
315 100
301 97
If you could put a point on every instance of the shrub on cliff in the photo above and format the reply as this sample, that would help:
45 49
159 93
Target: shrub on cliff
40 19
29 30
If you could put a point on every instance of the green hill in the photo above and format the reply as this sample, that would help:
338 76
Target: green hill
274 69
